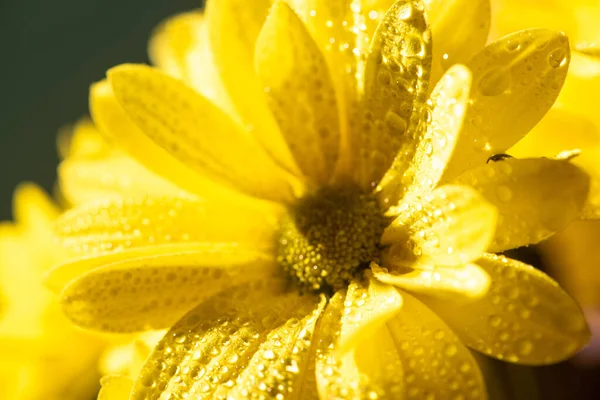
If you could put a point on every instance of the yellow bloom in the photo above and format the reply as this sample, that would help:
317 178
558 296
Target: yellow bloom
323 239
41 355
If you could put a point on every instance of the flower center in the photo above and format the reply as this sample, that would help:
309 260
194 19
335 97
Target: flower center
328 237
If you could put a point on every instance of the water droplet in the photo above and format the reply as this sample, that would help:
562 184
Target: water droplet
557 57
405 12
513 45
494 321
412 46
450 349
495 82
524 347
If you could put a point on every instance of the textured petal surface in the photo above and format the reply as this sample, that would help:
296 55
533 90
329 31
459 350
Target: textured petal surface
396 84
233 27
123 133
420 171
459 28
535 197
239 342
456 284
436 363
300 92
180 47
343 30
115 388
196 132
525 317
154 292
452 225
371 369
515 82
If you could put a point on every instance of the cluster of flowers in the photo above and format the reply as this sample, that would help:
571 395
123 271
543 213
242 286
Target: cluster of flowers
310 199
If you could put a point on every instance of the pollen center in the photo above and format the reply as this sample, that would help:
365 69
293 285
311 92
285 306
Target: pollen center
327 238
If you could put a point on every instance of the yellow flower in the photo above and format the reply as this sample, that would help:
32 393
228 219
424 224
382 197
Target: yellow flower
329 238
41 355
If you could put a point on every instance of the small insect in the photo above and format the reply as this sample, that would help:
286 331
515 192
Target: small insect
498 157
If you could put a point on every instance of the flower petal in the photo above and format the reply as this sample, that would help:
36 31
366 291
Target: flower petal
525 317
180 47
233 27
459 28
300 92
343 31
108 177
396 84
154 292
420 171
515 82
371 369
120 130
457 284
193 130
218 348
115 387
436 363
535 197
451 226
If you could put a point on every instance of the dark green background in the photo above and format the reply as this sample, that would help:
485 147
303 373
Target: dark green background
50 52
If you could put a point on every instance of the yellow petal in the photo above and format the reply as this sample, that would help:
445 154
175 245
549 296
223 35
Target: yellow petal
419 170
233 27
456 284
196 132
33 208
370 369
154 292
115 388
588 161
300 92
450 226
515 82
108 177
122 132
396 84
459 28
180 47
535 197
343 31
436 363
525 317
218 348
82 140
366 307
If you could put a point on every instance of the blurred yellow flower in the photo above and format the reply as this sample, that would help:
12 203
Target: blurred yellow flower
324 219
42 356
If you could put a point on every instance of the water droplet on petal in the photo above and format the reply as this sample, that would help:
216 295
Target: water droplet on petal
557 57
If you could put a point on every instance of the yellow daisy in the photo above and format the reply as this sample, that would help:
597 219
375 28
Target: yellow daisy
42 356
330 224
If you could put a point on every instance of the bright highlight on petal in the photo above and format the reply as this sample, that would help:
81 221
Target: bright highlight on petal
525 317
115 388
289 61
535 197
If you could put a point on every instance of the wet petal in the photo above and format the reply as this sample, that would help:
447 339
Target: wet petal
515 82
115 388
300 92
459 28
122 132
233 27
535 197
436 363
456 284
419 171
180 47
525 317
193 130
588 161
154 292
450 226
370 369
216 349
111 176
396 84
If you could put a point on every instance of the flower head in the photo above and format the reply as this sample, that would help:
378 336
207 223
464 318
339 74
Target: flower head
328 238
